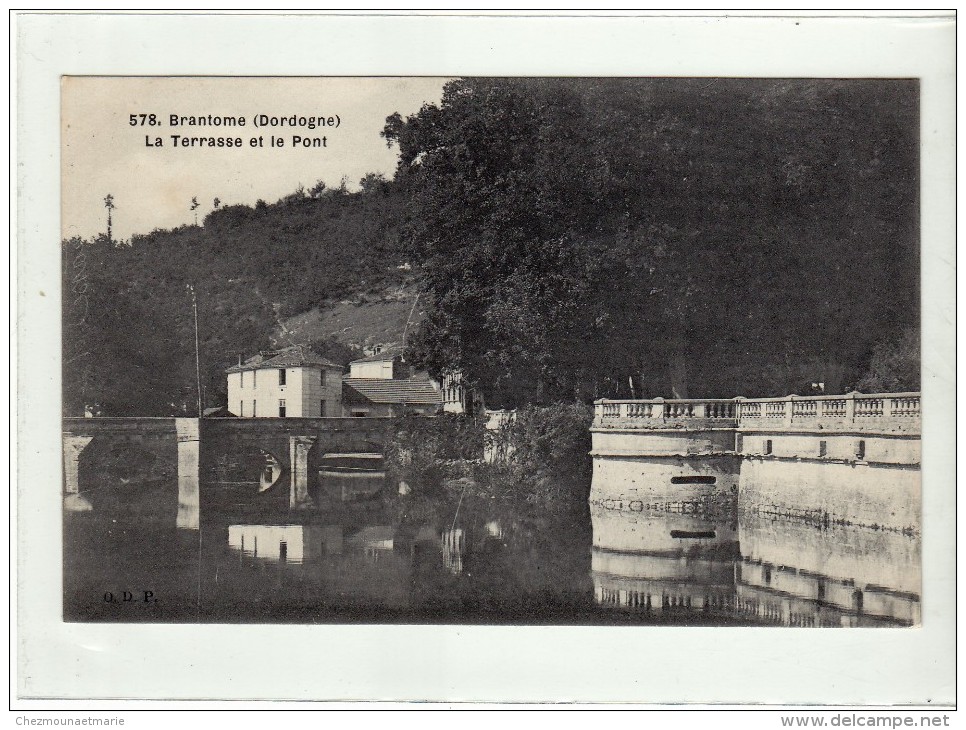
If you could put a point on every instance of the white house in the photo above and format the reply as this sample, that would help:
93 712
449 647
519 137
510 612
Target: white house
381 365
293 382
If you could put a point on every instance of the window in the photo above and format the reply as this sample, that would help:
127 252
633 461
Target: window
281 407
860 450
768 446
254 378
254 410
823 448
242 381
322 407
283 552
241 408
281 376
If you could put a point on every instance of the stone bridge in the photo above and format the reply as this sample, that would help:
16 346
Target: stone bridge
290 444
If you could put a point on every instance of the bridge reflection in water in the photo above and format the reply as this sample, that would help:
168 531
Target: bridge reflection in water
243 550
776 572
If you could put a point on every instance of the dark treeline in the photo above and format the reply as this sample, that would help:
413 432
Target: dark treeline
128 324
573 239
709 237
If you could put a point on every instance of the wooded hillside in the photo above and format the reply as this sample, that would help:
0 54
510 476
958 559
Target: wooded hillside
570 239
128 327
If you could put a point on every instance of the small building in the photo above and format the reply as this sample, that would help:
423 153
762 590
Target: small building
292 382
380 365
459 396
390 397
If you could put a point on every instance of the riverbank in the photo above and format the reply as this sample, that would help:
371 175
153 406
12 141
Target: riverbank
544 460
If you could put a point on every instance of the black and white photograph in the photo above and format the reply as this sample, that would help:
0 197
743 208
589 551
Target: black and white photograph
625 352
518 350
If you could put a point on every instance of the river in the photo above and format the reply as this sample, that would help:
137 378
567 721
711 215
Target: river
442 559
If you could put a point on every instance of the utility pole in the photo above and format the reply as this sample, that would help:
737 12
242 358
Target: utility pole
194 305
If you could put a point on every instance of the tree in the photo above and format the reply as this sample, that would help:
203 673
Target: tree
894 366
373 183
216 203
194 208
317 190
698 232
109 204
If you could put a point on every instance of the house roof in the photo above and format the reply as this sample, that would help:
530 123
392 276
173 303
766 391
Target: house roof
390 354
288 357
415 391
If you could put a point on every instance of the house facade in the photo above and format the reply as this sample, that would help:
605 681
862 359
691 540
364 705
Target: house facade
382 384
292 382
381 365
459 396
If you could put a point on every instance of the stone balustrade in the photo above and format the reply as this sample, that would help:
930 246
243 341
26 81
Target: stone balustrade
892 411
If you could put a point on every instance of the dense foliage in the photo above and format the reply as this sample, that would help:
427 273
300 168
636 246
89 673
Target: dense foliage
613 237
540 455
426 451
895 366
573 239
128 320
544 453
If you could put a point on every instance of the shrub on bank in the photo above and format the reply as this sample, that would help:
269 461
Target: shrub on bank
426 451
545 453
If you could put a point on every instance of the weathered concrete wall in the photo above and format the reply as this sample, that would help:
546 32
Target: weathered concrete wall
869 495
662 442
650 482
272 434
866 474
855 446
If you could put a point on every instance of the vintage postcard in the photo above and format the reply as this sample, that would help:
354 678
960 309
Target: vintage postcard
635 352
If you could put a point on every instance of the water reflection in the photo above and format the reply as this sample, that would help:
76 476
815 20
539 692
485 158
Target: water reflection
767 571
660 561
800 575
286 543
403 560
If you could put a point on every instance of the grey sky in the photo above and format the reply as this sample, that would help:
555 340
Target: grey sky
153 186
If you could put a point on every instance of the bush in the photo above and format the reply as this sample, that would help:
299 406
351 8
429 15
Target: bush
425 451
546 453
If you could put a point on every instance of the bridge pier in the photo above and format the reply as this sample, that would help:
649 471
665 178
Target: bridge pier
299 447
73 447
189 469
